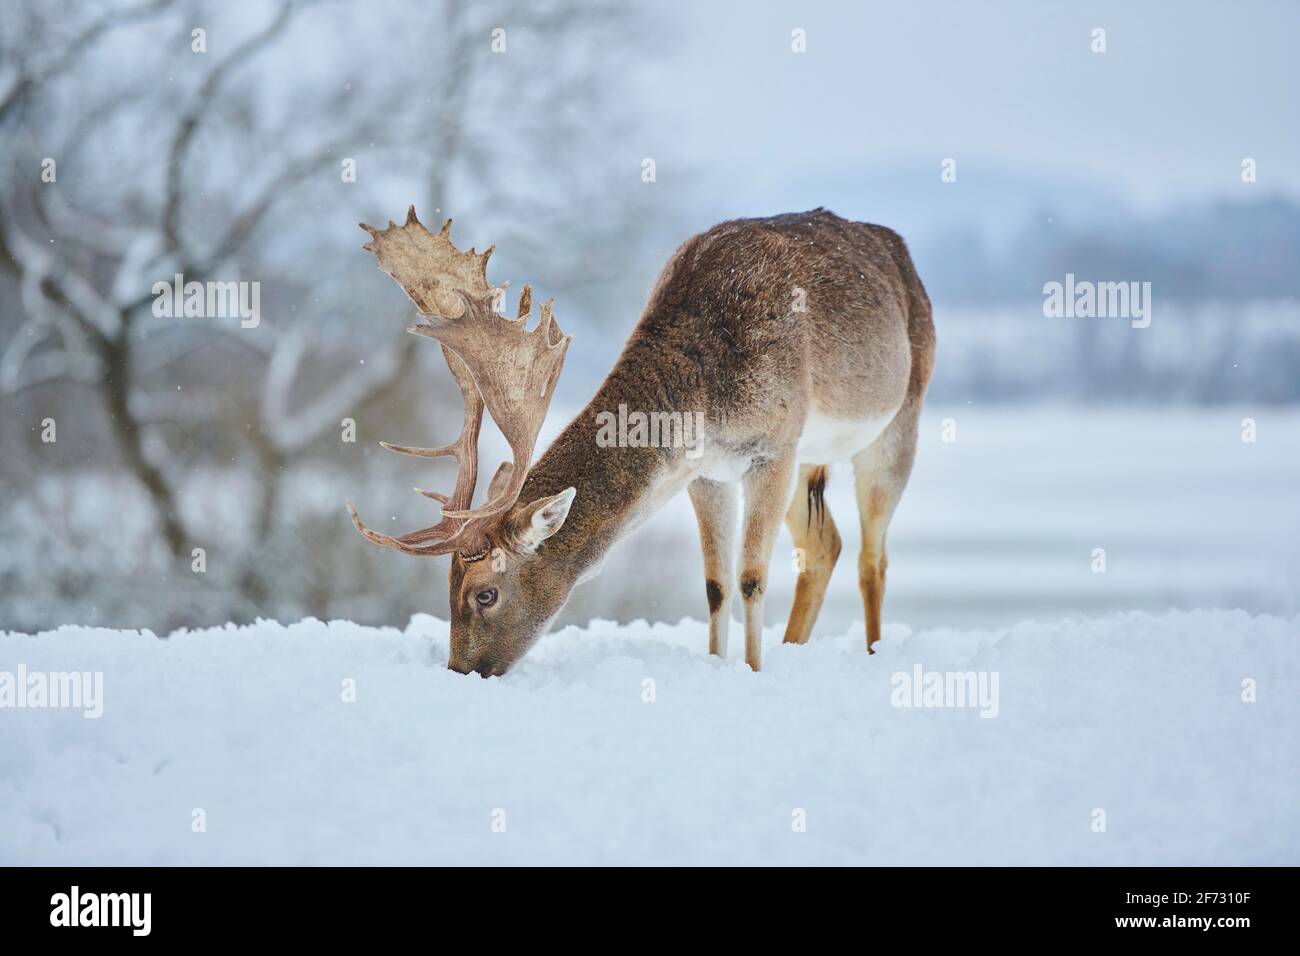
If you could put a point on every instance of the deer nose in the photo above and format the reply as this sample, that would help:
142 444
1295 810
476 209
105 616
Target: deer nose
484 667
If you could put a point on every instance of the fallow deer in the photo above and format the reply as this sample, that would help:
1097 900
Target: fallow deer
804 339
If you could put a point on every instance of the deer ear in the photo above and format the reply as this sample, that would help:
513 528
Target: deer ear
500 480
540 520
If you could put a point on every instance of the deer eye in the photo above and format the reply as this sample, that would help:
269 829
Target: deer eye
487 597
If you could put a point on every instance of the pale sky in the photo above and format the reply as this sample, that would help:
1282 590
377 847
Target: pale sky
1184 91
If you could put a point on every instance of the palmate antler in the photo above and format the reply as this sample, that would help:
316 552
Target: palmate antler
495 361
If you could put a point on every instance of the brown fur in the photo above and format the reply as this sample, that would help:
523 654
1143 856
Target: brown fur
720 335
816 537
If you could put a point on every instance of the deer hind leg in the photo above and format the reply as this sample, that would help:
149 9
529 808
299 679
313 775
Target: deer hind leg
880 473
715 510
766 488
817 544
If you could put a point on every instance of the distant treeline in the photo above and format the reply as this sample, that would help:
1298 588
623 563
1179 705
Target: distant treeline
1191 254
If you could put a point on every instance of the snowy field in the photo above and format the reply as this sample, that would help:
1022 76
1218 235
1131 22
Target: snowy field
1107 701
630 745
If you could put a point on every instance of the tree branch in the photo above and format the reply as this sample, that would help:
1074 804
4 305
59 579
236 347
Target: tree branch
23 81
190 119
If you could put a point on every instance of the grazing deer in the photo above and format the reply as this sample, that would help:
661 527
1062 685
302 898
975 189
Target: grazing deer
804 339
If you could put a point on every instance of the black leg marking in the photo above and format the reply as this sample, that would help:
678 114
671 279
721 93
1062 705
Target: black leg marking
714 590
817 495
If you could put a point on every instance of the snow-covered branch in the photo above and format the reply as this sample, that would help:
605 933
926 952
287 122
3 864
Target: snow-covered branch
41 267
292 430
201 105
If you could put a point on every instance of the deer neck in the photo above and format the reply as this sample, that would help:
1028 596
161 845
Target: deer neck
619 484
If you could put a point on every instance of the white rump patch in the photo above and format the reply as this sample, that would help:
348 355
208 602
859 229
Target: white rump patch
825 440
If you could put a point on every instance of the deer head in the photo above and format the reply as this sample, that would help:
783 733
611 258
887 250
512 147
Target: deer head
499 606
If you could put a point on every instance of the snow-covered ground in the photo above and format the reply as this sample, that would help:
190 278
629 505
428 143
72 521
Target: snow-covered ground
1126 739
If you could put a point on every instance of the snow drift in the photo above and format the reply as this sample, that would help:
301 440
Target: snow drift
1131 739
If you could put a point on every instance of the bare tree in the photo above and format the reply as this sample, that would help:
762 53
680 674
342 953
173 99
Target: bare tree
237 167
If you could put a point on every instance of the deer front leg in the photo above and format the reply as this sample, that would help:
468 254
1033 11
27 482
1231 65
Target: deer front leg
767 490
715 510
